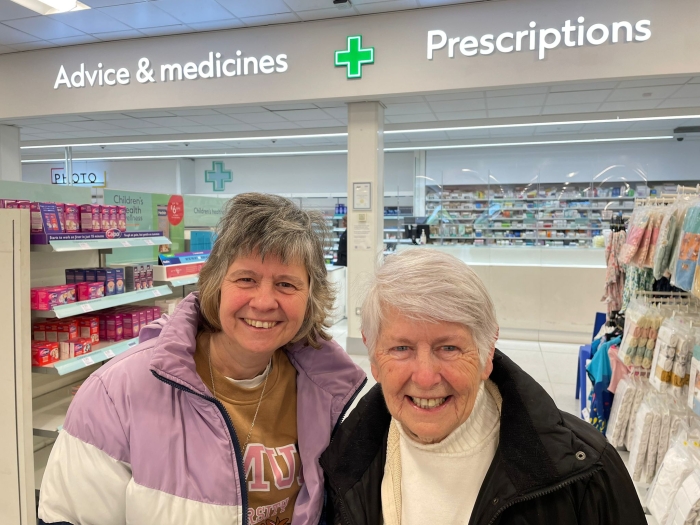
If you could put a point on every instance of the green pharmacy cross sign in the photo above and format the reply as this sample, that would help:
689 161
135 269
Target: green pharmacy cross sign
218 176
354 57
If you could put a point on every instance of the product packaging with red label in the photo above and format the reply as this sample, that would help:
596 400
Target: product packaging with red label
71 222
90 328
39 332
115 327
87 291
90 220
131 322
104 218
45 298
121 218
44 353
67 330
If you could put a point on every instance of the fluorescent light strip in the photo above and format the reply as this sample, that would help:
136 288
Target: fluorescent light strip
529 124
392 132
336 151
539 143
179 141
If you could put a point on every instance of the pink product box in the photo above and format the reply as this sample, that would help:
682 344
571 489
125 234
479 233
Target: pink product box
47 297
37 224
131 322
87 291
103 326
113 218
150 314
121 218
104 218
115 327
90 220
70 349
61 209
143 317
71 220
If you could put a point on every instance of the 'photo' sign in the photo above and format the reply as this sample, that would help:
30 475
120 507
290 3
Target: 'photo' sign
86 178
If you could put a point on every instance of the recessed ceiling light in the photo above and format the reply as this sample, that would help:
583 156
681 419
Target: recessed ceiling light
51 7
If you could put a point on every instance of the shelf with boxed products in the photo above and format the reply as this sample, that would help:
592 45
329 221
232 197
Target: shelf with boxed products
102 303
74 242
100 353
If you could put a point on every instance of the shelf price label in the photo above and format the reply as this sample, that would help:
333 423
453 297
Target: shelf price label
86 308
149 242
88 361
156 293
109 354
126 244
84 246
133 343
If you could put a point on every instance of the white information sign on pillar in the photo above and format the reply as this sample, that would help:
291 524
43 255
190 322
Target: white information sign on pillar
366 213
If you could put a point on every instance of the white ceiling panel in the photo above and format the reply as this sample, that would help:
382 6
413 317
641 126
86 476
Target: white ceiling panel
468 134
9 35
11 11
512 132
328 123
652 92
106 116
400 119
170 122
337 112
278 125
89 19
165 30
553 130
119 35
570 108
141 15
158 131
288 107
653 125
133 123
5 49
588 86
649 82
322 14
43 27
242 110
96 125
193 112
409 109
680 103
578 97
149 114
67 118
281 18
425 137
256 118
190 12
193 129
390 5
454 96
515 102
461 115
629 105
511 92
403 100
472 104
689 91
243 9
213 120
75 40
514 112
55 126
694 80
108 3
607 128
235 128
297 115
30 46
215 25
308 5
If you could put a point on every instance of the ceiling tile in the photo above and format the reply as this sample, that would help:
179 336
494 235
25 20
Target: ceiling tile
44 28
123 132
212 120
241 110
283 18
649 82
680 103
550 130
689 91
285 107
30 46
158 131
653 125
6 49
74 40
196 129
246 9
514 112
278 125
512 132
468 134
515 102
454 96
323 14
695 80
26 122
570 108
169 122
605 128
119 35
328 123
303 114
401 119
149 114
67 118
307 5
107 3
56 127
256 118
654 93
510 92
134 123
382 7
9 35
337 112
629 105
588 86
193 112
578 97
234 128
91 21
165 30
412 109
191 12
473 104
84 134
141 15
10 11
402 100
427 136
107 116
461 115
430 3
215 25
96 125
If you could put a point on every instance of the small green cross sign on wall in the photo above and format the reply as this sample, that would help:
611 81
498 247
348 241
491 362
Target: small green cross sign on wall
354 57
218 176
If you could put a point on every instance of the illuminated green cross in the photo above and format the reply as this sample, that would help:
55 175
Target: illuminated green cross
354 57
218 176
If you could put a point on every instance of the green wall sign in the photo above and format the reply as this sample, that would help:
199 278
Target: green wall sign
354 57
218 176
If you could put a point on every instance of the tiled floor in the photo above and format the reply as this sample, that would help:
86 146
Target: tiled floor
553 365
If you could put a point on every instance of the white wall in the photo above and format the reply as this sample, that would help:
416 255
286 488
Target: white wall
630 162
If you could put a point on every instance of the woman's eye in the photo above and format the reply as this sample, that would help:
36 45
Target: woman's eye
449 348
286 285
245 280
401 348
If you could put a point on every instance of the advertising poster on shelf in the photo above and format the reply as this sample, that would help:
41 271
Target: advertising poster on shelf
203 212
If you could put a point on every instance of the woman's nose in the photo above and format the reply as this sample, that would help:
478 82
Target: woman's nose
426 372
264 298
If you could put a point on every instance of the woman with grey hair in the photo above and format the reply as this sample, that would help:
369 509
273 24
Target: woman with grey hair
455 432
222 411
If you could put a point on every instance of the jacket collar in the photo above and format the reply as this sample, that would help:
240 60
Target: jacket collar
537 449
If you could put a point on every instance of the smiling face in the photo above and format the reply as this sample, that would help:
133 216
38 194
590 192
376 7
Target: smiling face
262 304
430 374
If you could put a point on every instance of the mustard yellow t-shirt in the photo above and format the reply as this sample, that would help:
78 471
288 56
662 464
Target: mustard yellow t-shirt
271 460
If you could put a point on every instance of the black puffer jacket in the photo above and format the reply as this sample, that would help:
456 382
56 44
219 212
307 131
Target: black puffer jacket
550 467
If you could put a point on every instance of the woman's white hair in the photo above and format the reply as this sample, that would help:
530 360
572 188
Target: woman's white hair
429 285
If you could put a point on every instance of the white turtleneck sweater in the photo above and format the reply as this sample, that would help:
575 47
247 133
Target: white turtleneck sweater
439 483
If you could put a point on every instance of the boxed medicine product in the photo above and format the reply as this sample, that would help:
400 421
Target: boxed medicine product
131 323
70 349
71 221
104 218
67 330
108 276
90 219
44 353
90 328
119 277
39 331
121 218
46 297
88 290
114 327
113 218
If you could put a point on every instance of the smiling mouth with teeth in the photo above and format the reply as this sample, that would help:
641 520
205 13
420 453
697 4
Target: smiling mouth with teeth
260 324
428 403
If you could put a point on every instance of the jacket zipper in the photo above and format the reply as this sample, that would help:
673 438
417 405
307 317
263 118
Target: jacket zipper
544 492
232 433
346 407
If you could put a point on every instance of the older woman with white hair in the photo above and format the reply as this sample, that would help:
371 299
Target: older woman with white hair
455 432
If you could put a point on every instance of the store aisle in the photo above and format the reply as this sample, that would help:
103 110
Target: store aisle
553 365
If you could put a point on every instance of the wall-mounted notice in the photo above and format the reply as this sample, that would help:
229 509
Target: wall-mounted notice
361 196
203 211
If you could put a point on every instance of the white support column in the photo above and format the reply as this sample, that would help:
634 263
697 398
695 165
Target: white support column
10 156
365 226
419 179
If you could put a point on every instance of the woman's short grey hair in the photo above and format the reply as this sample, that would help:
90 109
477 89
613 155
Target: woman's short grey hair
270 226
428 285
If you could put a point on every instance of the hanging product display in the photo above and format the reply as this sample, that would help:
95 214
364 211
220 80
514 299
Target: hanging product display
615 274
